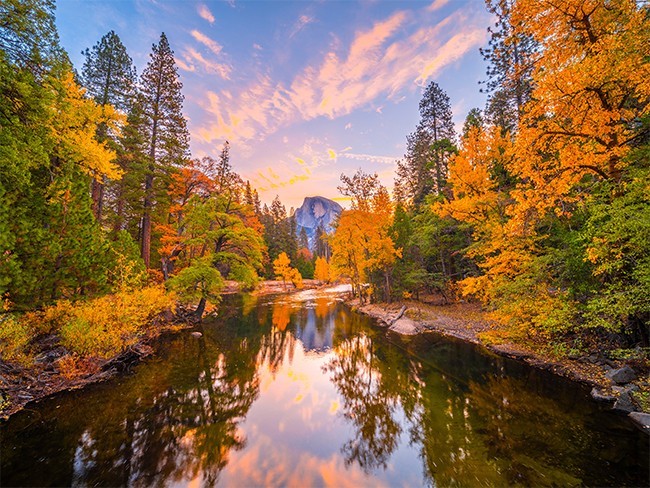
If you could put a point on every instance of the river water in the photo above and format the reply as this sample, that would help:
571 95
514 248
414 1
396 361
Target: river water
287 392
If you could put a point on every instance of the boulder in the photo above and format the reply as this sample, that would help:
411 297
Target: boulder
625 389
624 403
601 396
641 420
622 375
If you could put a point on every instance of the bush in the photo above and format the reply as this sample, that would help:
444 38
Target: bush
15 337
108 325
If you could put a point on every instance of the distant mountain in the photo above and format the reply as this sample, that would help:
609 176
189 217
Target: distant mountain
316 212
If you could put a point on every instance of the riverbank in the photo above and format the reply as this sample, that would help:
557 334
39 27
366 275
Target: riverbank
54 369
271 287
613 381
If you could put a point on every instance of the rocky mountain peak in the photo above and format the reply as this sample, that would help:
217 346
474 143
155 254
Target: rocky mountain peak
316 212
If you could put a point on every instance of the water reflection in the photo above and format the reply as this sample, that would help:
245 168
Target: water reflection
284 393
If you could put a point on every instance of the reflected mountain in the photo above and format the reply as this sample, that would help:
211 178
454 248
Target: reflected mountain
277 392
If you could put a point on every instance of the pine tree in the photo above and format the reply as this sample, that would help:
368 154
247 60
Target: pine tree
109 77
424 168
511 55
28 36
164 128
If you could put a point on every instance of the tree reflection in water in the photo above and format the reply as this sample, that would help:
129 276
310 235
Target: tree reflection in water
366 403
338 402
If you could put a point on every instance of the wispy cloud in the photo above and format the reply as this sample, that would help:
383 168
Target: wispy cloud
212 45
393 55
436 5
371 158
300 24
192 58
204 13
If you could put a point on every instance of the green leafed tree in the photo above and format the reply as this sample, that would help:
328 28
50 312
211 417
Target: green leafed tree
108 75
424 168
165 133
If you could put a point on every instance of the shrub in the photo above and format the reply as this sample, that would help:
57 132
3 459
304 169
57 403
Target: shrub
15 337
108 325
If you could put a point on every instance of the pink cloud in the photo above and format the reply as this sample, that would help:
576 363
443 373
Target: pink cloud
192 58
213 46
377 63
204 13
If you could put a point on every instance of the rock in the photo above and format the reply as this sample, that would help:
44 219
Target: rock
196 334
601 396
622 375
625 389
624 403
316 212
641 420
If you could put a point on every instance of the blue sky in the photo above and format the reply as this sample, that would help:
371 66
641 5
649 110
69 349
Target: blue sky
304 91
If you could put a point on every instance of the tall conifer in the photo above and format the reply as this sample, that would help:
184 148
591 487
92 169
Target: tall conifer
109 76
424 168
164 129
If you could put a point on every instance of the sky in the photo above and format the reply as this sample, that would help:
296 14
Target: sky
303 90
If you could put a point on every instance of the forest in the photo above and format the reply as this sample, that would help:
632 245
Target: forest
539 209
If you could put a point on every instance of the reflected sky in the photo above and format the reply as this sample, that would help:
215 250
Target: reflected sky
279 392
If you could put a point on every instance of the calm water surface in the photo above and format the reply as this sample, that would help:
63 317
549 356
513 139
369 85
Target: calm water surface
280 392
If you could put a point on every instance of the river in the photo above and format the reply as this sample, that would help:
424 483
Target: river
286 392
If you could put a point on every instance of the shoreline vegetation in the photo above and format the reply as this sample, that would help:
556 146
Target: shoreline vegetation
613 381
72 345
51 364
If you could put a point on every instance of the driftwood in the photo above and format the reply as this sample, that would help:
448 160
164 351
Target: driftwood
397 317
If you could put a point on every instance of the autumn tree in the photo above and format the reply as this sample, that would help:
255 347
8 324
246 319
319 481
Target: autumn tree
362 247
109 78
283 271
541 199
164 129
322 271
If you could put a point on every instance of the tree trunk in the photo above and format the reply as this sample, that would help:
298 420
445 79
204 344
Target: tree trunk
97 195
198 313
146 219
387 278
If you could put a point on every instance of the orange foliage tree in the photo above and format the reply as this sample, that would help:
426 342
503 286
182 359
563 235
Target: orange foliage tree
361 244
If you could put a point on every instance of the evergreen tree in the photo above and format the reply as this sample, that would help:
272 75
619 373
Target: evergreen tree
28 37
511 54
109 77
424 168
164 129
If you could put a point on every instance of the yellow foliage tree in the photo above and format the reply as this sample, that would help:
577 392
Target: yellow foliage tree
591 84
361 242
589 99
74 124
322 270
283 271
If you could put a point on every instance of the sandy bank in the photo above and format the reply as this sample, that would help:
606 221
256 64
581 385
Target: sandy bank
467 321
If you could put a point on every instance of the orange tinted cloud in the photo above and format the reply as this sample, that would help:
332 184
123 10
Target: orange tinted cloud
212 45
379 63
204 13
